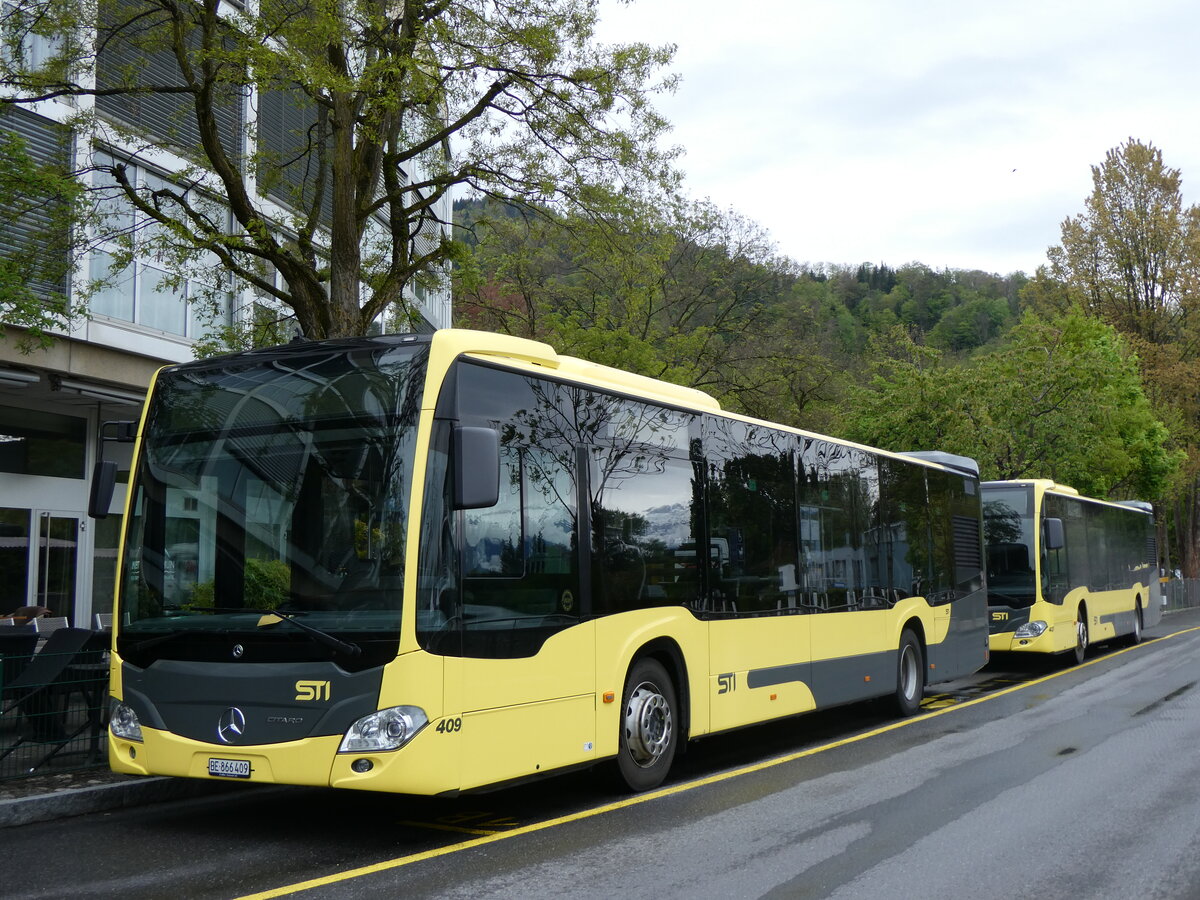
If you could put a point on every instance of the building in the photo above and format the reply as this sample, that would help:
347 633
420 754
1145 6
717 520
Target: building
54 403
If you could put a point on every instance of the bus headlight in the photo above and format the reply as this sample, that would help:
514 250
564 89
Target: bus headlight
1031 630
123 722
388 729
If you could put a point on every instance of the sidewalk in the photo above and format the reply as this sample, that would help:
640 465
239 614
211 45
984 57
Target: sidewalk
44 798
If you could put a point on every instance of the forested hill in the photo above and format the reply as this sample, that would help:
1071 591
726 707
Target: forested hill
521 261
702 298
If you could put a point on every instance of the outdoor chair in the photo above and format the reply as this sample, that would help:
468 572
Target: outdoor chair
71 661
16 650
49 624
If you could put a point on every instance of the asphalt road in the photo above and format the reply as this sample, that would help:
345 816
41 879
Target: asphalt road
1022 781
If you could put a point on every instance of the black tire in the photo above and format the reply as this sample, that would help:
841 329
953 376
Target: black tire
1079 654
910 675
649 726
1136 638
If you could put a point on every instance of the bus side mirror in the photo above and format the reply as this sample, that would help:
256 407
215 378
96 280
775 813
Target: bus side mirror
104 479
476 467
1052 534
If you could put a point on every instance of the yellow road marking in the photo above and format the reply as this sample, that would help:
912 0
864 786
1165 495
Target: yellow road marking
649 796
438 826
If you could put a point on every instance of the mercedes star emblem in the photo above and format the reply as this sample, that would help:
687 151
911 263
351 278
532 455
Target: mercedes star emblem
231 725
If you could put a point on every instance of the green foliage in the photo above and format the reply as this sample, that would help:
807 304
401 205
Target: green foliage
1133 256
267 585
407 102
663 291
970 325
263 327
1062 399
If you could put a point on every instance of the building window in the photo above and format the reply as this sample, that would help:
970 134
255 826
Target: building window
18 42
135 51
41 443
141 292
33 232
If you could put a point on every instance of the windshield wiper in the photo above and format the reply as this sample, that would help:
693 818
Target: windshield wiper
321 637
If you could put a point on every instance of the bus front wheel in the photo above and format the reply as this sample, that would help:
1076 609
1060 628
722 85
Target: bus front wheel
910 676
1081 635
649 728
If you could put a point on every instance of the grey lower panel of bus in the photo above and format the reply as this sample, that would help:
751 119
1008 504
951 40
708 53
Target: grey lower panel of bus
845 680
276 702
965 648
1122 622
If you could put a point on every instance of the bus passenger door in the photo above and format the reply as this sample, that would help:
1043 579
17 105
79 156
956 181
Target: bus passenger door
527 686
528 715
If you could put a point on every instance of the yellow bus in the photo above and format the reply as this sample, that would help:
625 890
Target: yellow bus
438 563
1067 571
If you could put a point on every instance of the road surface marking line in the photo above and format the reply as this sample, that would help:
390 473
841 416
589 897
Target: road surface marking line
459 829
401 861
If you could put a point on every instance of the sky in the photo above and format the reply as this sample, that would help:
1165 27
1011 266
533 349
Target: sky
952 133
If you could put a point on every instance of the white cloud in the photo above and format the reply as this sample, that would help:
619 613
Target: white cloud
869 130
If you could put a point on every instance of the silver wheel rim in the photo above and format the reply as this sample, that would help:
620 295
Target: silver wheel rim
1137 623
1081 634
647 724
908 672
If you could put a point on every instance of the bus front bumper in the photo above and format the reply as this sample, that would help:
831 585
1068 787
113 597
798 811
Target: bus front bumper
314 762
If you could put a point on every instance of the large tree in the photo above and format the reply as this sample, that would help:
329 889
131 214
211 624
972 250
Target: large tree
1133 254
368 114
1132 258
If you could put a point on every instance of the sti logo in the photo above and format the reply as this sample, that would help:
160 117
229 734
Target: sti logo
996 617
312 690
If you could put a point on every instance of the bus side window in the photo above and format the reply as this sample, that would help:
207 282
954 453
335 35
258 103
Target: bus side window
900 551
520 557
643 546
838 487
751 519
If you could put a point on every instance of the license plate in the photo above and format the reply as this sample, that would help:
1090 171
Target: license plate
229 768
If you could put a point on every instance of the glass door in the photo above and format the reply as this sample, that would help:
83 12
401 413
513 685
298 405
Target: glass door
14 559
56 561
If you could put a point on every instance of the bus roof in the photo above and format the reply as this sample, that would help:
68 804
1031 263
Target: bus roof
1047 485
485 344
949 460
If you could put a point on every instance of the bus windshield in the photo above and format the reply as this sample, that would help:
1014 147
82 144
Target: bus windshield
277 482
1009 533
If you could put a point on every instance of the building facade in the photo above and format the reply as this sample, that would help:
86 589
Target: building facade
54 403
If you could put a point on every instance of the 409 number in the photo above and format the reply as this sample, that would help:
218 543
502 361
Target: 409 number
448 725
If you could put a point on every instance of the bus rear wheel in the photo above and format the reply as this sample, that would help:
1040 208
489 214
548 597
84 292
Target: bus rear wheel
910 675
649 730
1136 638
